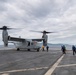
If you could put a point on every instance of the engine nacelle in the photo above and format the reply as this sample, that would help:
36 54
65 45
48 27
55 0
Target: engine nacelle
5 37
45 39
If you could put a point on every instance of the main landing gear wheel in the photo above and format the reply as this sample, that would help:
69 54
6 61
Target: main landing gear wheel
18 49
28 49
38 50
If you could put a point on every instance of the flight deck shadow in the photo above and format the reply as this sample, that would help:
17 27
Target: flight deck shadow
23 50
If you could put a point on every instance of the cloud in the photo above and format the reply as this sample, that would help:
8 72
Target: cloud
52 15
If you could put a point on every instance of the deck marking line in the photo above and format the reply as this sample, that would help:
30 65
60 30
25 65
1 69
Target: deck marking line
69 65
50 71
21 70
5 74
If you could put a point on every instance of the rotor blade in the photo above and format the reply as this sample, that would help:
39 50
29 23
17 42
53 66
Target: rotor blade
39 31
5 28
9 28
1 28
47 32
36 31
42 31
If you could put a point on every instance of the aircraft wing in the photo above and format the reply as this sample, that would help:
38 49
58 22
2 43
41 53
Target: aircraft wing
16 39
37 39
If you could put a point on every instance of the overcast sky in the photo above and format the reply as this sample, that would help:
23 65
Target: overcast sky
58 16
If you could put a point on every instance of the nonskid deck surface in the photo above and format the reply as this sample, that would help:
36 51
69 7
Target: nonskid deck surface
23 62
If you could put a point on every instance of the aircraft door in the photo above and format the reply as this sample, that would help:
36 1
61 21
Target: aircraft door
28 43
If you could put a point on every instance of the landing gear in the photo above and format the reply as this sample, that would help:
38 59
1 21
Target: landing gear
28 49
18 49
38 49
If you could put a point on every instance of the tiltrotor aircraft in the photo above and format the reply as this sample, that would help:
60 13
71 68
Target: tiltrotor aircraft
22 43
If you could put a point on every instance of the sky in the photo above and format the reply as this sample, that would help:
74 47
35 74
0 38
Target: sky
57 16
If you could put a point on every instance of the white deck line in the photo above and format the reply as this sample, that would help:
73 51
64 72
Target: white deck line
23 70
68 65
50 71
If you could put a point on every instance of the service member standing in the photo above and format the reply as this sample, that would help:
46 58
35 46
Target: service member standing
74 49
63 48
47 48
43 48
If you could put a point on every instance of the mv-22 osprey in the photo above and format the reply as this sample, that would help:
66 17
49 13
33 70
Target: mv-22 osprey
21 43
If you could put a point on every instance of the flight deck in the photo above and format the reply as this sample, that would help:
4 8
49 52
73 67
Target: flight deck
23 62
